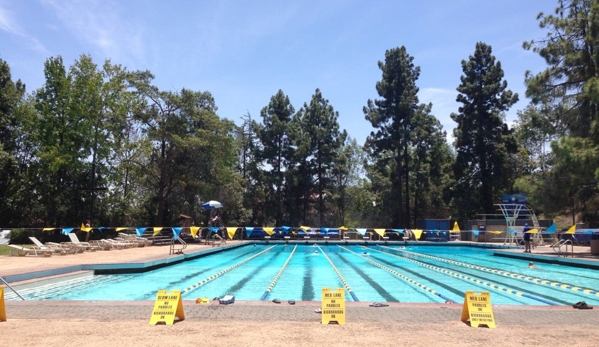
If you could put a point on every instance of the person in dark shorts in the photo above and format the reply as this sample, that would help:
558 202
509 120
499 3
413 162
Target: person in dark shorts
526 237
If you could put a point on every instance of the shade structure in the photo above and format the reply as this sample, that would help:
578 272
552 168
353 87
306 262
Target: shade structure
211 205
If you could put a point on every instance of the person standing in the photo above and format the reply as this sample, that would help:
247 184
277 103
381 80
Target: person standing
526 237
216 221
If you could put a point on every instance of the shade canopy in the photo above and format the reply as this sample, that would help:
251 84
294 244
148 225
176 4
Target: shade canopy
211 205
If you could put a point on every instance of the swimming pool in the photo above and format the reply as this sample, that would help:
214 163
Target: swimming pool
391 273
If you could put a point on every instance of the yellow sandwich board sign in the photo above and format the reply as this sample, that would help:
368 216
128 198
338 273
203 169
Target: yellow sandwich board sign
167 306
333 305
2 308
478 310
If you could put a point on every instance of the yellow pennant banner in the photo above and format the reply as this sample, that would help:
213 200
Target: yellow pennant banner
456 227
269 231
84 229
231 232
380 232
156 231
121 228
194 231
168 305
417 233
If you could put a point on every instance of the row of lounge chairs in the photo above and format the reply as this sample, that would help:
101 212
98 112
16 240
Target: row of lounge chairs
75 246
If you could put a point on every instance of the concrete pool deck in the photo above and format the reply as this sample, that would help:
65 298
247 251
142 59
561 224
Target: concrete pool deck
265 311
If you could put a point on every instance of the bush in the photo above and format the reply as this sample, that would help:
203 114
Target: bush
20 236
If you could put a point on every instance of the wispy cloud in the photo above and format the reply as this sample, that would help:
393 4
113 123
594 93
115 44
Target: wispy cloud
6 21
11 26
444 104
443 101
100 24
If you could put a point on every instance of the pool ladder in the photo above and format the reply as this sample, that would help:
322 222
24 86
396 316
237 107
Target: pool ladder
175 248
563 243
11 288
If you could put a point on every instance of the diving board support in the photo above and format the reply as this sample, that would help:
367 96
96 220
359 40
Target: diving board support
511 212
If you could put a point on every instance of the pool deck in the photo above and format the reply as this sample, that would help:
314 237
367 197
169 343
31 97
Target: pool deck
14 267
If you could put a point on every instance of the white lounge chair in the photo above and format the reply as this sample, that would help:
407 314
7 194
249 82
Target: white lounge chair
65 247
86 246
116 244
140 241
23 251
53 247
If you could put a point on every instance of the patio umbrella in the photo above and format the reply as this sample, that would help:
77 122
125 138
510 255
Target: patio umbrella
211 205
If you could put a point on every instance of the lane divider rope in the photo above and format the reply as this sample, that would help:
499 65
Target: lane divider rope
345 284
403 277
274 281
220 273
536 280
471 279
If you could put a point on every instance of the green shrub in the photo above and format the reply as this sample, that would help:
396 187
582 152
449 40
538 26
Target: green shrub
20 236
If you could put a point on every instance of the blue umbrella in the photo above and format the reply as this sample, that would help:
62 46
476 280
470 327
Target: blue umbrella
211 205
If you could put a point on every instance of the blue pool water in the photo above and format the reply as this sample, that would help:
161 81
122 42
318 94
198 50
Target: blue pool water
383 274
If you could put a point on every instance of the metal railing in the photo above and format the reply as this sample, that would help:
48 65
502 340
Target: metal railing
177 249
11 288
563 243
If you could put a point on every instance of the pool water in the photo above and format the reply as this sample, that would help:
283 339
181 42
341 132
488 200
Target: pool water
374 273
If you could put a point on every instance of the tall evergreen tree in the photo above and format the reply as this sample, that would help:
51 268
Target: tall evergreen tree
431 163
391 116
276 150
346 175
482 138
319 121
570 87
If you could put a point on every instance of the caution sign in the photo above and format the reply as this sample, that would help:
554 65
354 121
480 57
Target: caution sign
478 310
168 305
333 305
2 308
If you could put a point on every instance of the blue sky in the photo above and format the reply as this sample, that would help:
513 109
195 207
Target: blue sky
243 52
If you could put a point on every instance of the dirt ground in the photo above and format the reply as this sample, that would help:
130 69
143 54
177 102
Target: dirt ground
59 333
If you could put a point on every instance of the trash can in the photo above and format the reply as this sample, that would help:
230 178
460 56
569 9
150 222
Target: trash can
595 244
